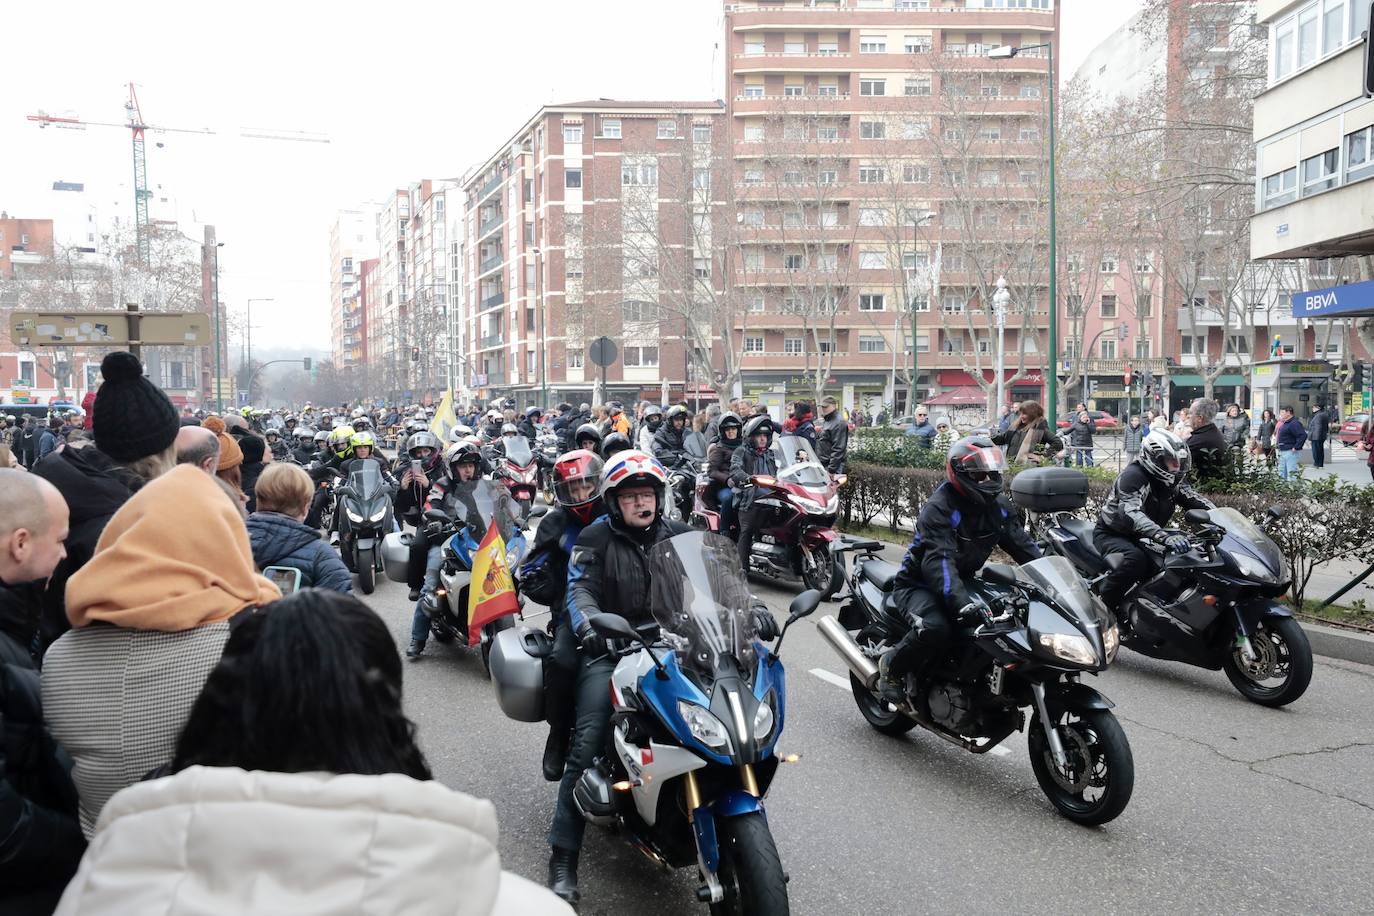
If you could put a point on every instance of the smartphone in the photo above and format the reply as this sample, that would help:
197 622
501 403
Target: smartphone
284 578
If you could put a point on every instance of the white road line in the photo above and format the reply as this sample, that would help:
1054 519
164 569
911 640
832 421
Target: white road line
831 678
1000 750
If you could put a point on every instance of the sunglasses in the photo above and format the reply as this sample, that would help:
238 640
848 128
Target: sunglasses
980 476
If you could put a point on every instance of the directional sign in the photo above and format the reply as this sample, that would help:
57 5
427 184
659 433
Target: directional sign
190 329
109 329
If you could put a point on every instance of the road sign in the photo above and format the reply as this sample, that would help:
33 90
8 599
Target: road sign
602 351
108 329
1365 396
190 329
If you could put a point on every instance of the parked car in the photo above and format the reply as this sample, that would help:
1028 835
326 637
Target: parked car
1352 428
1101 420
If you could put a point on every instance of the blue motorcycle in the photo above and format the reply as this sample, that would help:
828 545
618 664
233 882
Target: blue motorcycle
698 706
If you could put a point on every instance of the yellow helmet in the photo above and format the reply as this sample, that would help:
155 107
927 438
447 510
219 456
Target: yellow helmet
340 441
363 437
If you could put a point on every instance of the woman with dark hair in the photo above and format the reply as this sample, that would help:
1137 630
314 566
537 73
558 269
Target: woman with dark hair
298 787
1269 424
1028 439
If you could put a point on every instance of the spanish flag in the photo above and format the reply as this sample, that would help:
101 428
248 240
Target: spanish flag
491 593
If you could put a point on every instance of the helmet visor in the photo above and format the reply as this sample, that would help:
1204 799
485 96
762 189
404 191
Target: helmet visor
984 463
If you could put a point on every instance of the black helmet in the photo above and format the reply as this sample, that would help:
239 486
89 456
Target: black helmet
588 431
1165 457
974 467
728 420
462 453
615 442
677 410
759 424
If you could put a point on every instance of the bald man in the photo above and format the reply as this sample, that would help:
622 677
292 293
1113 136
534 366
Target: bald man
199 446
40 839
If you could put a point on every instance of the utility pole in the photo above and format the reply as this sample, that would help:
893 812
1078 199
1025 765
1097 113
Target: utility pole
219 345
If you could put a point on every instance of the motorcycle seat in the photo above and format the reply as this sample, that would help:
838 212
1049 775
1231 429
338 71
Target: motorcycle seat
1083 530
881 573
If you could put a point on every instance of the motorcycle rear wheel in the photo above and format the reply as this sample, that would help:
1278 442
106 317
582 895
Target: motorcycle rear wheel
367 570
878 714
1283 643
1100 760
826 575
749 870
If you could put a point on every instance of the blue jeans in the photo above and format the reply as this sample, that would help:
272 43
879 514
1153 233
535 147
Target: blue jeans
726 497
1083 456
419 621
1288 464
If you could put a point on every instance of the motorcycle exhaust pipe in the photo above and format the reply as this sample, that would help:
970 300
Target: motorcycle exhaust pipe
864 668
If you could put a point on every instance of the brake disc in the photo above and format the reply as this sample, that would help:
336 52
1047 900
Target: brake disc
1266 658
1080 769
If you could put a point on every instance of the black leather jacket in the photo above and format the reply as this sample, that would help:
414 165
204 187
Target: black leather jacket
669 448
832 442
1140 505
609 570
746 462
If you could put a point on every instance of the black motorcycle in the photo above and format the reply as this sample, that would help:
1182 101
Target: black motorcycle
1042 630
1214 607
363 516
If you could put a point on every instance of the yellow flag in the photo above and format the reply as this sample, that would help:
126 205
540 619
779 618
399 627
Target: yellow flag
444 418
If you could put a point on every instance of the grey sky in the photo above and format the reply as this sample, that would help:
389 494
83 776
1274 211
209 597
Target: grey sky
404 89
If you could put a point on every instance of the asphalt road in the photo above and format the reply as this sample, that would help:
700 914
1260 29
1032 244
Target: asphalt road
1237 808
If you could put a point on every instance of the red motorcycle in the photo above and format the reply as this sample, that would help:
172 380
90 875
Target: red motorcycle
518 472
796 534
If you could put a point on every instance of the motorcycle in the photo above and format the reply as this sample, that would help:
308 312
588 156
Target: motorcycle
447 605
1214 607
698 706
548 456
798 530
518 473
1048 631
363 514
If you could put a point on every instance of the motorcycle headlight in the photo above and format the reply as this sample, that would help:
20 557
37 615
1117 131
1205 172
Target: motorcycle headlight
704 726
833 506
513 556
353 517
1111 641
1251 568
764 718
378 515
811 505
1070 647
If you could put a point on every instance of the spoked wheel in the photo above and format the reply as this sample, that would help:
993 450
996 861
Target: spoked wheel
1096 784
878 712
367 570
823 571
749 871
1282 668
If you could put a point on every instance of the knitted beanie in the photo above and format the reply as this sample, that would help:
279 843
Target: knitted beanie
132 417
230 455
253 449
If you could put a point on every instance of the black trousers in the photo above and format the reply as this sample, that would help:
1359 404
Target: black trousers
1137 565
560 677
419 555
592 704
924 613
749 521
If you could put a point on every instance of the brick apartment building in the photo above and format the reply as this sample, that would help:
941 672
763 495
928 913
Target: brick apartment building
351 241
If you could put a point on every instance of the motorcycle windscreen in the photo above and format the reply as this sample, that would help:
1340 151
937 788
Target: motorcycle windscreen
365 479
1057 576
701 602
518 450
477 502
797 462
1251 538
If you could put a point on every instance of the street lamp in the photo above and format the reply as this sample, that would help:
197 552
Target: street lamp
919 218
219 391
1000 300
543 343
1006 52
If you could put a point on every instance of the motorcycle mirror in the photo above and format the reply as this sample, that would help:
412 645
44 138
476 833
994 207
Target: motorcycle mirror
613 626
537 511
1197 517
804 605
1275 513
999 574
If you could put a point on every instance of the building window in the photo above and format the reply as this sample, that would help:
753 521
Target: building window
753 176
573 269
794 91
572 133
752 218
1029 134
641 357
791 219
827 134
1191 345
872 302
1144 263
701 133
919 303
1359 153
916 85
667 129
873 260
916 44
753 345
756 304
952 303
1029 92
828 90
639 175
825 346
1281 188
1142 348
634 312
1108 305
990 92
827 176
827 48
1241 344
794 131
872 216
913 261
953 342
701 179
753 47
872 174
793 261
793 46
792 346
872 87
792 178
1320 171
829 218
915 174
872 44
753 133
870 344
872 130
575 358
572 178
753 90
610 128
1109 263
701 268
1106 348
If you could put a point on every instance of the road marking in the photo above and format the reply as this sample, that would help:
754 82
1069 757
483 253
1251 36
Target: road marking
1000 750
831 678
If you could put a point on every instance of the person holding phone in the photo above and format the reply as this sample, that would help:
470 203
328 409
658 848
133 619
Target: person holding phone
279 536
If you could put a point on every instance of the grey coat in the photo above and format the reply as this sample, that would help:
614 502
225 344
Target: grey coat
1132 437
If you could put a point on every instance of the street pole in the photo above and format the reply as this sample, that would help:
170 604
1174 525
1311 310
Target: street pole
219 390
248 330
915 376
999 305
1052 407
543 344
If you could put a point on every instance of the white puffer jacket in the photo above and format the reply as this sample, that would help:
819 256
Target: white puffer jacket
220 840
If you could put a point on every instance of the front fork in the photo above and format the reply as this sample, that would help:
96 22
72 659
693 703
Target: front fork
1061 757
1247 648
703 822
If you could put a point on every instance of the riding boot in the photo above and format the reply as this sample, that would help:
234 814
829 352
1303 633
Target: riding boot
563 874
556 752
891 688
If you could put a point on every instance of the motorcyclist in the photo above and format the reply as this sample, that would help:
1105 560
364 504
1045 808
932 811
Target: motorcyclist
964 519
588 437
728 439
544 578
529 424
668 445
1143 499
320 441
364 446
608 571
496 451
562 426
426 551
278 447
753 458
419 466
649 426
613 443
491 431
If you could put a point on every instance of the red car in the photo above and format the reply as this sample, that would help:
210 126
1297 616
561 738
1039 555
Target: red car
1101 420
1351 429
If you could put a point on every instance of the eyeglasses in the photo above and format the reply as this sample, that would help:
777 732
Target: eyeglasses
980 476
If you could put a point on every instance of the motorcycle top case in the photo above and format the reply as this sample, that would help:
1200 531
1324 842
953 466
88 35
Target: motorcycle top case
1050 489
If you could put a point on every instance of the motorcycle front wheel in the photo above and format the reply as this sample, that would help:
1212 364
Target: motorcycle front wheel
824 572
750 871
367 570
1282 668
1096 785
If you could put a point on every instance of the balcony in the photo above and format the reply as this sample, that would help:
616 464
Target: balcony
752 15
494 300
1156 364
492 184
490 223
491 340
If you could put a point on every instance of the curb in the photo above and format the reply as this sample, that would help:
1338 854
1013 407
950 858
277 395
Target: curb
1347 645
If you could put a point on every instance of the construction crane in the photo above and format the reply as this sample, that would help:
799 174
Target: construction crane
138 127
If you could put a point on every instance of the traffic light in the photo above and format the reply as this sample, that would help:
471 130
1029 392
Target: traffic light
1128 377
1357 378
305 364
414 354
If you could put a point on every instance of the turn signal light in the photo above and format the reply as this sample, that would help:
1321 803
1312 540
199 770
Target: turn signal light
1209 600
623 786
789 758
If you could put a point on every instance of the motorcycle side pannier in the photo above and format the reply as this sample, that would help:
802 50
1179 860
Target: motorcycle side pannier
396 555
1050 489
518 656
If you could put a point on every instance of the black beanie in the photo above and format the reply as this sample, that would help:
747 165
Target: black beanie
253 449
132 417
